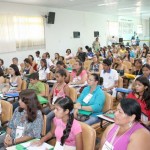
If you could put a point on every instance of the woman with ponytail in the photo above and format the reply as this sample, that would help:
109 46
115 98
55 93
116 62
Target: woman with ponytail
66 129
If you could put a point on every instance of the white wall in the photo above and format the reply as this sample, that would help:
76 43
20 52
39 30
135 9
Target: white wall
59 36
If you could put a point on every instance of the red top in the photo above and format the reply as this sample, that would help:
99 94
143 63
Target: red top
142 104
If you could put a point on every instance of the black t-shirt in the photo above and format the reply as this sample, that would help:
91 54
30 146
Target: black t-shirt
82 56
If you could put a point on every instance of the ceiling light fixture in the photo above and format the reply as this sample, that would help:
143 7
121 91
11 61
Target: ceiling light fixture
127 8
105 4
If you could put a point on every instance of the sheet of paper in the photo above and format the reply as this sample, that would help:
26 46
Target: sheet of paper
105 118
44 146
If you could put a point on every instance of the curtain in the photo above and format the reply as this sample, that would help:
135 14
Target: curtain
7 34
21 32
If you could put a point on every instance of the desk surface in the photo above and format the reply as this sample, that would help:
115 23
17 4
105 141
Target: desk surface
26 146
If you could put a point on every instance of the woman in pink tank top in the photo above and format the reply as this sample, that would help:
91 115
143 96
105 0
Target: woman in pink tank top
60 88
127 133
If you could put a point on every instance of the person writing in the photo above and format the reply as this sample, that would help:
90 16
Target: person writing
27 120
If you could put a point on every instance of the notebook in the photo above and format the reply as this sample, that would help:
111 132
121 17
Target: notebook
84 112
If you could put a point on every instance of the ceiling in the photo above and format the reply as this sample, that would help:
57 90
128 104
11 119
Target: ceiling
113 7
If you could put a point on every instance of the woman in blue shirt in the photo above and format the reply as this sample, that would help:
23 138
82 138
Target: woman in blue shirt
91 99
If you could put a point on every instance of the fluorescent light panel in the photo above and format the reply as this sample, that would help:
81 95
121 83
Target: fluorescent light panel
106 4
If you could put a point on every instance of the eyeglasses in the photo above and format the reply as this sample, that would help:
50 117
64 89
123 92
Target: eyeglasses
90 80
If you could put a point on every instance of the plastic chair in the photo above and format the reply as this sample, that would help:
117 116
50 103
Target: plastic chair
72 61
87 64
107 106
7 111
44 126
24 85
88 137
120 82
73 94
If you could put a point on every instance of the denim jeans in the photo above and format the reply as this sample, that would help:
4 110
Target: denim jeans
92 120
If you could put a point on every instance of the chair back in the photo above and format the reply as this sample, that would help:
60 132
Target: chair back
108 102
24 85
87 64
127 64
44 126
88 137
72 61
46 90
7 111
120 82
73 94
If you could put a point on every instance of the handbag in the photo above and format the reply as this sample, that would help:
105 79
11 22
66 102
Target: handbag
83 115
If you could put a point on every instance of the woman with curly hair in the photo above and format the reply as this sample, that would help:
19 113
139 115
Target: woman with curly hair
27 120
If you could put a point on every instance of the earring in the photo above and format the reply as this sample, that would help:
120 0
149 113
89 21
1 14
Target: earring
130 124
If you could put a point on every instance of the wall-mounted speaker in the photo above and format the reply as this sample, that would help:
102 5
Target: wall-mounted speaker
51 17
96 33
120 40
76 34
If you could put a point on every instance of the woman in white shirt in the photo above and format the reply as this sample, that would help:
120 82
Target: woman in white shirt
43 70
69 55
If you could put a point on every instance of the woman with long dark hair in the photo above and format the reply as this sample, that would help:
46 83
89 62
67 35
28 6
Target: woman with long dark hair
15 81
126 133
141 94
79 74
27 120
43 70
66 129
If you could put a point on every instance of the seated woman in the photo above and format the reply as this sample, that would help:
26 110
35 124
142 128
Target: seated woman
141 94
95 66
69 55
56 58
59 66
144 54
60 89
43 71
26 122
148 58
119 66
91 99
126 133
32 62
78 75
110 55
27 70
15 81
146 71
65 128
2 65
127 56
137 69
2 79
